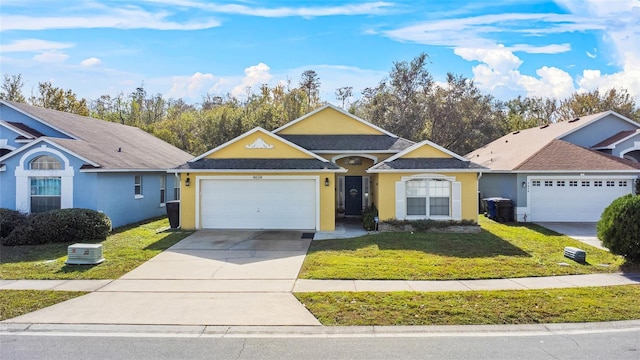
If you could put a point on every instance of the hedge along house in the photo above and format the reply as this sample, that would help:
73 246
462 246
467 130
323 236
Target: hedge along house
321 166
51 159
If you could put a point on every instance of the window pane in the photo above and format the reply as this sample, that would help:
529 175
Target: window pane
45 162
416 188
45 193
416 206
439 206
137 188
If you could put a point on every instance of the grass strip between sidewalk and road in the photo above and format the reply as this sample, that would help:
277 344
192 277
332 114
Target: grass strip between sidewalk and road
14 303
498 251
124 249
589 304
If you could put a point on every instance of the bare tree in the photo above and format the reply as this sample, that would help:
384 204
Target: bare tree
343 94
12 88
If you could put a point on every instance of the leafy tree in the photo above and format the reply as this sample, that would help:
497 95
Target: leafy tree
52 97
310 82
618 100
619 227
12 88
397 104
524 113
343 94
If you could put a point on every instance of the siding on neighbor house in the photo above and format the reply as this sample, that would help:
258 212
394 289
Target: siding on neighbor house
595 132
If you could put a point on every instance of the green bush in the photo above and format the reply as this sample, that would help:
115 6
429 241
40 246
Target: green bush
368 218
619 227
9 220
64 225
426 225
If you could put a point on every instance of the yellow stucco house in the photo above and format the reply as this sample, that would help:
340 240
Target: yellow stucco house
323 165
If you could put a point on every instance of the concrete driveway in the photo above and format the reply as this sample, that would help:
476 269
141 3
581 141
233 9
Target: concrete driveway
582 231
209 278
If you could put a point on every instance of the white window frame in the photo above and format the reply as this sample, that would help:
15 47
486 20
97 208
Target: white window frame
137 187
23 174
176 188
455 200
163 190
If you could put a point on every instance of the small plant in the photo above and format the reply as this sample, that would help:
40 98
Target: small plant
619 227
368 218
9 220
64 225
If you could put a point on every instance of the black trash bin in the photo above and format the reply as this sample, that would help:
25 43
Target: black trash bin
173 213
498 209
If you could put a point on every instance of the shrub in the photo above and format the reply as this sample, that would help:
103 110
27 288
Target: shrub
368 218
64 225
619 227
426 225
9 220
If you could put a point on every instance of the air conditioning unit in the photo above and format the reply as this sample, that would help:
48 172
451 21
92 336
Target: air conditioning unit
84 254
575 254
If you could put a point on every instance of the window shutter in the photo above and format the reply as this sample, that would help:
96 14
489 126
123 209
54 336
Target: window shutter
401 209
456 200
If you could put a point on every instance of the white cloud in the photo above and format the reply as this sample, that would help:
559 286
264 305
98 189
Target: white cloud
119 18
92 61
33 45
367 8
254 75
499 59
594 55
190 87
52 56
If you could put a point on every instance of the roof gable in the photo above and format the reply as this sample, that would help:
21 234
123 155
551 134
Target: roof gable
40 142
509 151
616 139
258 144
425 155
560 155
107 145
330 120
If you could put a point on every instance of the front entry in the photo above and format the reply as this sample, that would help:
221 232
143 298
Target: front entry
353 195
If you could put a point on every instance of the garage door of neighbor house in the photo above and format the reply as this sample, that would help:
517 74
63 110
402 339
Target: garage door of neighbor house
581 199
258 203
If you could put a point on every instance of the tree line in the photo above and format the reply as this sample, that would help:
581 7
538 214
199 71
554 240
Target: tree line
408 102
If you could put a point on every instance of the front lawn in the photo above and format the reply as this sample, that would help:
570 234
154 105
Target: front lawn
124 250
498 251
474 307
18 302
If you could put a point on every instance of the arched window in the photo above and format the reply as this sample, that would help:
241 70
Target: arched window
45 162
45 190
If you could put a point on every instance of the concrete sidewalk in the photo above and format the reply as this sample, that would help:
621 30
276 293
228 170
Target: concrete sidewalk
305 285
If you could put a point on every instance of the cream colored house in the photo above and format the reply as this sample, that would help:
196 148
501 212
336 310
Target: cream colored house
324 165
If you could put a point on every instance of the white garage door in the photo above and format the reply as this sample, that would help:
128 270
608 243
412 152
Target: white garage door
576 200
258 204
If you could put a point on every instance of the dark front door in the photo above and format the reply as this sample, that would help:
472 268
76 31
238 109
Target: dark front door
353 195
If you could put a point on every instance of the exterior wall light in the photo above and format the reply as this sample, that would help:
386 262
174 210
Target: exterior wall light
524 184
187 182
326 181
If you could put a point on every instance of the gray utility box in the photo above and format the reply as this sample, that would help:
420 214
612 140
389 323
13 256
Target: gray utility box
84 254
575 254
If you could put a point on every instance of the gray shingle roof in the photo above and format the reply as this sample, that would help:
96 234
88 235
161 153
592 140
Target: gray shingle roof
99 141
349 142
259 164
429 164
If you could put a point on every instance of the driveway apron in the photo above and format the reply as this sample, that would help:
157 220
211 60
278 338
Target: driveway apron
212 277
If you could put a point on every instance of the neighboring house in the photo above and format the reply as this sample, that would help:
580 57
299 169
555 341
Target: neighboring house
324 165
51 159
566 171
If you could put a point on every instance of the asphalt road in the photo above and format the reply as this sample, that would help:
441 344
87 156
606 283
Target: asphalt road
610 344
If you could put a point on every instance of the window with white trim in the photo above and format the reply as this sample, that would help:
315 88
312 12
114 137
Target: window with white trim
428 198
622 183
597 183
611 183
137 186
535 183
176 189
560 183
573 183
45 191
163 190
586 183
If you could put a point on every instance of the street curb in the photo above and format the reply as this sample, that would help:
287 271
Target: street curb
219 331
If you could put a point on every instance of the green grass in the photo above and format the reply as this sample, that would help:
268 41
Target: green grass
498 251
125 249
475 307
18 302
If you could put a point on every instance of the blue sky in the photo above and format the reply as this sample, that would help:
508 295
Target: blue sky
188 48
